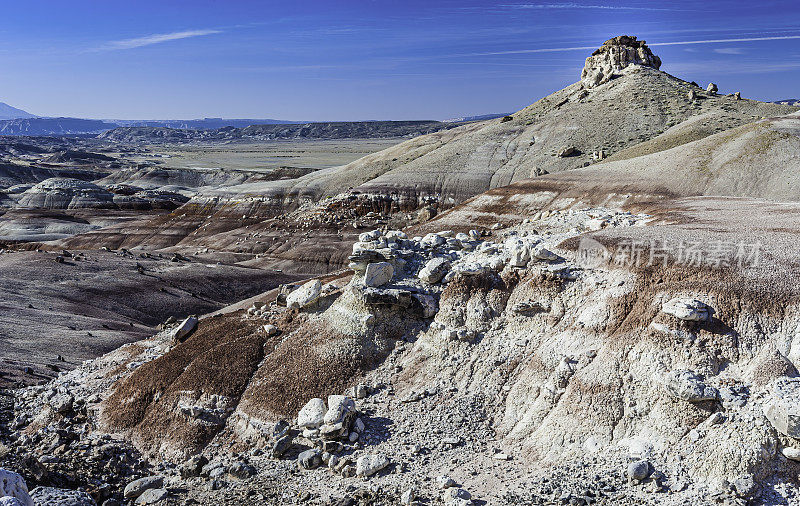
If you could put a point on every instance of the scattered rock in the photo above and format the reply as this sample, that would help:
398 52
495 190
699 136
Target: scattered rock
152 496
712 89
783 406
687 309
309 459
305 295
367 465
791 453
312 415
282 445
185 329
378 274
137 487
638 470
568 151
688 386
434 270
13 485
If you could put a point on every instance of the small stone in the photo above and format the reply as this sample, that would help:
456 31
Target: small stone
783 407
309 459
434 270
360 391
305 295
338 408
712 89
638 470
791 453
378 274
745 486
242 470
270 330
445 481
455 493
185 329
282 445
688 386
152 496
137 487
687 309
312 415
367 465
193 466
408 497
567 151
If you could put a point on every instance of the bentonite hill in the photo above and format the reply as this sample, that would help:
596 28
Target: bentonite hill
593 300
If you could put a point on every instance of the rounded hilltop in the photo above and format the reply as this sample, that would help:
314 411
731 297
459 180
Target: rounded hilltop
614 55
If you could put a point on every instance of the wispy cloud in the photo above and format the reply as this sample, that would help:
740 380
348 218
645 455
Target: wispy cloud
729 50
723 41
156 39
675 43
572 5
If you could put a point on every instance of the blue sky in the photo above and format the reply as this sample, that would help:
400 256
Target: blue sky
351 60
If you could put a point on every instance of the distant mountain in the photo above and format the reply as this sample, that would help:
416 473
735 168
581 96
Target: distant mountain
53 126
326 130
788 101
8 112
197 124
35 125
481 117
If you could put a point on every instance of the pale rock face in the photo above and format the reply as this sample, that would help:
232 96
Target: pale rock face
305 295
613 56
312 415
783 407
138 487
434 270
185 329
367 465
429 303
791 453
687 309
378 274
338 406
520 256
688 386
13 485
712 89
542 253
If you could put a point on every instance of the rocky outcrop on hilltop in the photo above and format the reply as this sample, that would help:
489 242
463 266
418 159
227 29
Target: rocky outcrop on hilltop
615 55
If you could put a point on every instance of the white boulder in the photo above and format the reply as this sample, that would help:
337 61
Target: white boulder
434 270
378 274
688 386
687 309
185 329
312 415
338 407
367 465
783 407
13 485
305 295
